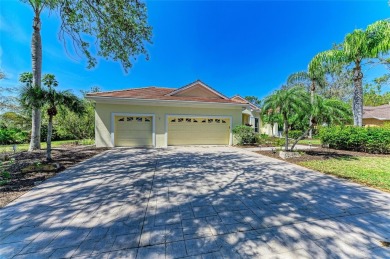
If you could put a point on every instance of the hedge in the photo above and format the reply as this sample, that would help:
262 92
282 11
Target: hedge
370 139
13 136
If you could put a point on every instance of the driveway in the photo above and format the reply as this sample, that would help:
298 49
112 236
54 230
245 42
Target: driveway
204 202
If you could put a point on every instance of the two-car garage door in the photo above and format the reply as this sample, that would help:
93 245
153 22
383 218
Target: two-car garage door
198 131
133 131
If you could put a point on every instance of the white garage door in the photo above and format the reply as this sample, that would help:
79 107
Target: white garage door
198 131
133 131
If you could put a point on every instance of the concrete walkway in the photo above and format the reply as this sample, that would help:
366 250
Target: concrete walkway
215 202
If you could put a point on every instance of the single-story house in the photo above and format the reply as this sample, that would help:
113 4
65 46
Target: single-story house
194 114
376 115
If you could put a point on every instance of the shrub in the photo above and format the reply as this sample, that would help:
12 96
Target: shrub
295 134
262 138
371 139
244 134
13 136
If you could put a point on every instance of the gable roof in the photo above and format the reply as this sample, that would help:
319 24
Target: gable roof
240 99
195 84
163 93
377 112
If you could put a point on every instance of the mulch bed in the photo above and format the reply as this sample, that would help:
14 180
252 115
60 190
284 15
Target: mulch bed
28 169
320 154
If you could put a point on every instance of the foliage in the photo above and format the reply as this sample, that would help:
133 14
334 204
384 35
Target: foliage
244 134
358 46
14 120
371 171
13 136
117 29
295 134
370 139
373 96
253 100
287 102
78 126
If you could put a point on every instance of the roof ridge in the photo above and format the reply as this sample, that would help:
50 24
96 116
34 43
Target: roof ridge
129 89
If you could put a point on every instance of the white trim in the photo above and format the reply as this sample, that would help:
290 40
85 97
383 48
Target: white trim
112 128
198 116
171 103
196 83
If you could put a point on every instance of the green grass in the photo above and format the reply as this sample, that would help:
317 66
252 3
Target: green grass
310 141
371 171
24 147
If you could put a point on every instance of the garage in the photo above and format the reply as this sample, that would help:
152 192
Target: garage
133 131
192 130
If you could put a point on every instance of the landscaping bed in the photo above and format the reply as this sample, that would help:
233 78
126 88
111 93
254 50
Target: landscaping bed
364 168
25 170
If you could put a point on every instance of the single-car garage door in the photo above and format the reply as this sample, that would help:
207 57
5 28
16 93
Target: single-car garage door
198 131
133 131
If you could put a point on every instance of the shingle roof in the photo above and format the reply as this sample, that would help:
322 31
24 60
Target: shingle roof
377 112
157 93
240 99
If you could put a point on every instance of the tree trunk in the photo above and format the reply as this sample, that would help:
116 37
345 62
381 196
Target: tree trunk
286 134
312 89
357 106
36 55
48 140
302 136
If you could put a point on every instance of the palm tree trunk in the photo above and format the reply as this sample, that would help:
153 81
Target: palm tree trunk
312 89
36 53
286 133
48 140
357 106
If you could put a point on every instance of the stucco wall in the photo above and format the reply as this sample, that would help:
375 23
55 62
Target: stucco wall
103 113
373 122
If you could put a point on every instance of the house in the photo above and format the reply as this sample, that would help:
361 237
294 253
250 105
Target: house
376 115
194 114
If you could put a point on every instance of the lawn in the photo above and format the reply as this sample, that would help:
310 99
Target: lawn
310 141
371 171
24 147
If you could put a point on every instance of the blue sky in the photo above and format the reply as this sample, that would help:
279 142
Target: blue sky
237 47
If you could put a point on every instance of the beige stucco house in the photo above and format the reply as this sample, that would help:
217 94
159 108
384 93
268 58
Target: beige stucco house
376 115
195 114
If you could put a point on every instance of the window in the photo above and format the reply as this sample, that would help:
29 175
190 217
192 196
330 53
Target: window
173 120
122 119
188 120
223 121
217 120
256 125
204 121
129 118
138 119
180 120
194 120
147 119
210 120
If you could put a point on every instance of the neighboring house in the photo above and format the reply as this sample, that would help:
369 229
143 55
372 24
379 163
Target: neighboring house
194 114
376 115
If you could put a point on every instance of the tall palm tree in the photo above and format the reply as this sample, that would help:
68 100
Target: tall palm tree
326 111
287 102
357 47
50 98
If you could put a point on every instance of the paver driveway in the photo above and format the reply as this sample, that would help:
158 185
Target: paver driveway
205 202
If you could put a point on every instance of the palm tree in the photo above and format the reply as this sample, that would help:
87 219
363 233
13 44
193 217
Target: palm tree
358 46
326 111
287 102
315 77
51 98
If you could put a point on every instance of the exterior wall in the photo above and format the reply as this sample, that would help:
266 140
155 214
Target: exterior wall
373 122
103 112
198 91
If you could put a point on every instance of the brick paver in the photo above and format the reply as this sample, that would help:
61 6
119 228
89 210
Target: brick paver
195 202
